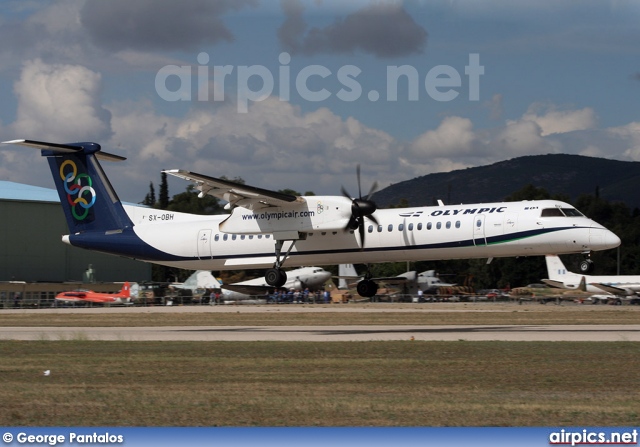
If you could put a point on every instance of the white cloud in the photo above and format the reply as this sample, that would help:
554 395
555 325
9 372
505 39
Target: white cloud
553 121
453 137
60 103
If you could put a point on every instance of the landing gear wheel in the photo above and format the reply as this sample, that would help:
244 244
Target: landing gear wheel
275 277
367 288
586 266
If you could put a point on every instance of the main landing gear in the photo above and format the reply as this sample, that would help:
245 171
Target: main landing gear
275 276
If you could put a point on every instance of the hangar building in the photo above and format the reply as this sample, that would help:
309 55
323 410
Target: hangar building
31 248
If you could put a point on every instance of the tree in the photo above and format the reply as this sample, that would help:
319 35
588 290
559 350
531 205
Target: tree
150 198
164 192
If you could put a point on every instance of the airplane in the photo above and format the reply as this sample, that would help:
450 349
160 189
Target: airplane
560 277
198 282
88 296
427 281
312 278
319 230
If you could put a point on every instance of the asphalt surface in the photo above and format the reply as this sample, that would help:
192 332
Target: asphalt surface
628 332
331 333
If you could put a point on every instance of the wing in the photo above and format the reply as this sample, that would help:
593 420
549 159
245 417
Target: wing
235 193
248 290
613 289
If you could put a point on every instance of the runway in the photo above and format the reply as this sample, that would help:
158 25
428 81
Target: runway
323 332
331 333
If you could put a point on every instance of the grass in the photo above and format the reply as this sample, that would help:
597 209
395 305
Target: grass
395 383
406 383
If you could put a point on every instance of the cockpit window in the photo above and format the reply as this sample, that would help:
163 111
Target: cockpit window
558 212
572 212
551 212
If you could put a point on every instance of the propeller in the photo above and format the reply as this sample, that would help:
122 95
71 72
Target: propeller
361 208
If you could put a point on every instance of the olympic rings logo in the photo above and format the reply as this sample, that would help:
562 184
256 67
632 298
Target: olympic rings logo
78 195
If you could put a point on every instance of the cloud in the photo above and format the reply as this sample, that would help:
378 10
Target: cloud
381 28
154 25
275 145
59 102
553 121
42 29
453 137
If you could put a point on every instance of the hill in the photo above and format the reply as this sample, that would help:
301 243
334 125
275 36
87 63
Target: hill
570 175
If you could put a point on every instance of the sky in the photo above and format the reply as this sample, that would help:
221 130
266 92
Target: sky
297 93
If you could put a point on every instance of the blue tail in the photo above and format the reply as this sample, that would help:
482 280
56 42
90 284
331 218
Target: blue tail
87 197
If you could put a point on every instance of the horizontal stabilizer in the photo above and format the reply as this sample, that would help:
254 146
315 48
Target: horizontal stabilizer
67 148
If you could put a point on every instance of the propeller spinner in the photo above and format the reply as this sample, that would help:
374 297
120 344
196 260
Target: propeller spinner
361 208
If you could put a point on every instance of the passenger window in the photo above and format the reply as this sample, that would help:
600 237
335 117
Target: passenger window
401 227
370 229
390 227
225 237
448 225
428 225
419 226
379 228
439 225
410 227
216 237
457 224
233 237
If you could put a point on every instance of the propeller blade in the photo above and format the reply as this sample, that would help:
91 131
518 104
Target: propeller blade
361 208
361 231
372 190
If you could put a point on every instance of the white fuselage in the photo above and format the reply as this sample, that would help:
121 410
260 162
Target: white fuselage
402 234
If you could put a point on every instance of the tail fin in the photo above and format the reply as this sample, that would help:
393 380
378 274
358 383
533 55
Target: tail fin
125 292
555 268
88 199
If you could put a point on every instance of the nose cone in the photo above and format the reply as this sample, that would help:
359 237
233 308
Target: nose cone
602 239
611 240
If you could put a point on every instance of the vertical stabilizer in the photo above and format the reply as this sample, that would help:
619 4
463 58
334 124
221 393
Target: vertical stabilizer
555 268
87 197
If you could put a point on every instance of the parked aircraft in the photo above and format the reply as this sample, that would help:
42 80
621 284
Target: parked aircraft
88 296
318 229
427 281
562 278
198 282
312 278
